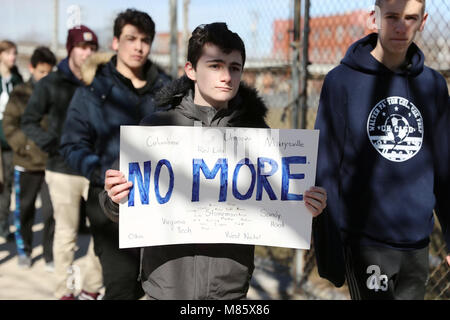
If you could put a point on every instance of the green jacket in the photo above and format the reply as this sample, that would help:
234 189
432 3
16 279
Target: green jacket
26 153
16 79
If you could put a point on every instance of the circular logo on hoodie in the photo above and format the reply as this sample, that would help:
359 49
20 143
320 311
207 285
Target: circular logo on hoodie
395 129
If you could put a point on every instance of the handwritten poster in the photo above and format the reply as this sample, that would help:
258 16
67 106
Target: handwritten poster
216 185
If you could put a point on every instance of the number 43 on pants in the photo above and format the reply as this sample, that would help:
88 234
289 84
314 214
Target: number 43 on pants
376 281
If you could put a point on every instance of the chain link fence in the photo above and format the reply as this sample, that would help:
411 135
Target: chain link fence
334 26
268 29
264 26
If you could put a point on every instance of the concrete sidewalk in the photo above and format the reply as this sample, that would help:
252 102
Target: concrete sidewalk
33 283
269 281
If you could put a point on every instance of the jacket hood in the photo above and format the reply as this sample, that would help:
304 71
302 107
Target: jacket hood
104 63
90 66
63 68
246 107
358 57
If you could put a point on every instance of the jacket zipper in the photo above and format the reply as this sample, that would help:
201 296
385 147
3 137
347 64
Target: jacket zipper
195 278
141 254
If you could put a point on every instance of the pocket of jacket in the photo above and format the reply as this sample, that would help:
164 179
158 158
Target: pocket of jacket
228 279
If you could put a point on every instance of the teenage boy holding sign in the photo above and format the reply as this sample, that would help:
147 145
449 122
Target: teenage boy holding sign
210 92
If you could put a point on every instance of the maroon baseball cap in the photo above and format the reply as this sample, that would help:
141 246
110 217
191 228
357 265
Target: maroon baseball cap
79 34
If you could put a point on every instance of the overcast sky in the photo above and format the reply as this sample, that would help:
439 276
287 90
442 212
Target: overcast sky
252 19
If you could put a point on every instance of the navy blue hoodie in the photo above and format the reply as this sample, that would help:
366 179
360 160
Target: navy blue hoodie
384 149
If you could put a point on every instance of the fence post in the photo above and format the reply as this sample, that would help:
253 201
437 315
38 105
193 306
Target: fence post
298 268
173 39
186 4
301 103
305 62
295 64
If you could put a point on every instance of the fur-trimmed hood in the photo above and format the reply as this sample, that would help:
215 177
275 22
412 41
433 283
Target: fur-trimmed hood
90 66
247 109
99 108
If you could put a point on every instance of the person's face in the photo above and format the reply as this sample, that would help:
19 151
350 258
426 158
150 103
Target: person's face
8 57
41 70
399 22
132 47
81 52
217 76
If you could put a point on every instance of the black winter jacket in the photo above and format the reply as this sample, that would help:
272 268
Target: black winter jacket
51 97
91 134
198 271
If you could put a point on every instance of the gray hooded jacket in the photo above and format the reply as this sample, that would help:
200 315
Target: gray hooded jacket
198 271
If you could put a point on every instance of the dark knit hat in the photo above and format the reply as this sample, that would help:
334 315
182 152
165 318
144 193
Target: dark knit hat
79 34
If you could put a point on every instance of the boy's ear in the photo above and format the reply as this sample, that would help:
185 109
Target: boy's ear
374 19
30 68
422 25
115 44
190 71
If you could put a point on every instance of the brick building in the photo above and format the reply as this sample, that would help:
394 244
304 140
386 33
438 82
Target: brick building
329 39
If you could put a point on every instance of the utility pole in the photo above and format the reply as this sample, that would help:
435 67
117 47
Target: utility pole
173 39
186 4
304 66
54 44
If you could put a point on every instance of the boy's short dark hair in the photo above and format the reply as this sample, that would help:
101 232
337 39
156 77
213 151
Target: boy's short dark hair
378 3
216 33
42 55
139 19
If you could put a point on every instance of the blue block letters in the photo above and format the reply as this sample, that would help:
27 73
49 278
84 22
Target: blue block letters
259 178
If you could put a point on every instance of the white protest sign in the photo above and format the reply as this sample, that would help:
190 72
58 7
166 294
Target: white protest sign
216 185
